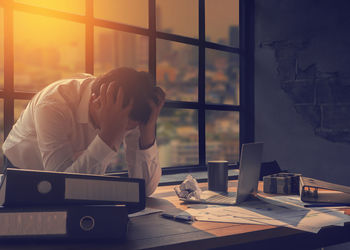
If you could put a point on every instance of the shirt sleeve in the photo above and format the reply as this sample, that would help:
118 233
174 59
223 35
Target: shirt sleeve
142 163
53 136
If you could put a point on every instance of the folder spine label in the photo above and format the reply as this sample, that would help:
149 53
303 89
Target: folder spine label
33 223
89 189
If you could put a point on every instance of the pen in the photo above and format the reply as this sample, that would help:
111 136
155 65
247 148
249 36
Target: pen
180 218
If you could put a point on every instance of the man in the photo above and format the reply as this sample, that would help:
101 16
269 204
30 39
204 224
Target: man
77 125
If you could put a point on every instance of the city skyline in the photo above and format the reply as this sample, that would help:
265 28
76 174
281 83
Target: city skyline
39 62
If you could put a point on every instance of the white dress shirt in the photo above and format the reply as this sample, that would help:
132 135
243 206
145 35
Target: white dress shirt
54 133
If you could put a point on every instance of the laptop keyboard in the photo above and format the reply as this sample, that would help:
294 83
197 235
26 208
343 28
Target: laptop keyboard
217 198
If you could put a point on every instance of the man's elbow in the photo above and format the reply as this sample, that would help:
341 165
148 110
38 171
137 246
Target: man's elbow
150 190
152 185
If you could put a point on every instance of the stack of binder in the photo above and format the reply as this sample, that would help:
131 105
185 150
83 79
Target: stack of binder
53 205
318 191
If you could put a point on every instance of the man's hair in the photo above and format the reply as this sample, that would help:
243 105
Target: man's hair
137 85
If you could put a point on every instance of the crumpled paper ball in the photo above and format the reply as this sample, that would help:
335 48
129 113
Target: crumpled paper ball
188 189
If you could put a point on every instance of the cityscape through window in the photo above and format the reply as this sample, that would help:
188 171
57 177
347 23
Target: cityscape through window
190 47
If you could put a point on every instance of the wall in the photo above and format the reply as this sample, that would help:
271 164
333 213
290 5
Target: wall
302 86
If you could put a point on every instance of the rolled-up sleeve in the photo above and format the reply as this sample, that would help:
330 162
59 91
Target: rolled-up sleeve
142 163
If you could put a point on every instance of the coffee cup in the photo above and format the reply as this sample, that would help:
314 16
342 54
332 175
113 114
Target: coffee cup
217 176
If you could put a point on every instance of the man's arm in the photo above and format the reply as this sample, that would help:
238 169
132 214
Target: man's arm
112 117
142 163
148 129
54 125
141 148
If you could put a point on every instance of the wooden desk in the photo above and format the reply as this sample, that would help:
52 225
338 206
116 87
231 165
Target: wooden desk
153 231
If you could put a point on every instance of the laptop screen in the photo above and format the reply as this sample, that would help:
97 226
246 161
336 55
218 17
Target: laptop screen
249 170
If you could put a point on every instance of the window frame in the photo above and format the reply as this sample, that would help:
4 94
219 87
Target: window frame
245 52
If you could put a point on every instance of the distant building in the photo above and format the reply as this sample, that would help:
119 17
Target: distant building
234 36
121 49
178 153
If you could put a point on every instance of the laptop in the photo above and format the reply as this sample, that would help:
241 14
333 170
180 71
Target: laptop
248 179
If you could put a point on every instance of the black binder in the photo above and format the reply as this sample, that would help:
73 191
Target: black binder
20 187
108 222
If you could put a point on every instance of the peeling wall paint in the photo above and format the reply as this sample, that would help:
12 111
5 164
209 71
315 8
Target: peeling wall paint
302 86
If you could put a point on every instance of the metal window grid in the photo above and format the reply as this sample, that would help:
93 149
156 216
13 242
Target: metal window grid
245 52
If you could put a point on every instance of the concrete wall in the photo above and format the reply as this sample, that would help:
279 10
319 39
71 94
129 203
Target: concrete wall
302 82
302 87
302 95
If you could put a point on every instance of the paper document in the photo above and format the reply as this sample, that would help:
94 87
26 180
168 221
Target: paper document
294 200
259 212
210 197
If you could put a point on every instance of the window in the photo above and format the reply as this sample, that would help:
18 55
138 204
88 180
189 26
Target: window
1 48
1 77
40 59
198 51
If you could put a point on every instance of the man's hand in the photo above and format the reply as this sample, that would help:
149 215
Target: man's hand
148 130
113 117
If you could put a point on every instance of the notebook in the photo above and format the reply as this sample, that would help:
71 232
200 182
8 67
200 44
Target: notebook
248 179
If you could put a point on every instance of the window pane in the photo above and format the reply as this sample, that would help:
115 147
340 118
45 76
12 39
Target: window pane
1 132
222 135
177 70
177 137
222 22
2 48
132 12
115 49
76 6
46 50
221 77
178 17
20 106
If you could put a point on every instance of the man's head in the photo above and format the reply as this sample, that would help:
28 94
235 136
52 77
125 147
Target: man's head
137 86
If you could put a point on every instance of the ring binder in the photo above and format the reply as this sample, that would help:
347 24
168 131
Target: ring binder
312 190
23 187
86 222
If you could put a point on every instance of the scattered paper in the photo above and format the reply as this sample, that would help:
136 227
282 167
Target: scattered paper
286 210
146 211
188 189
263 213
